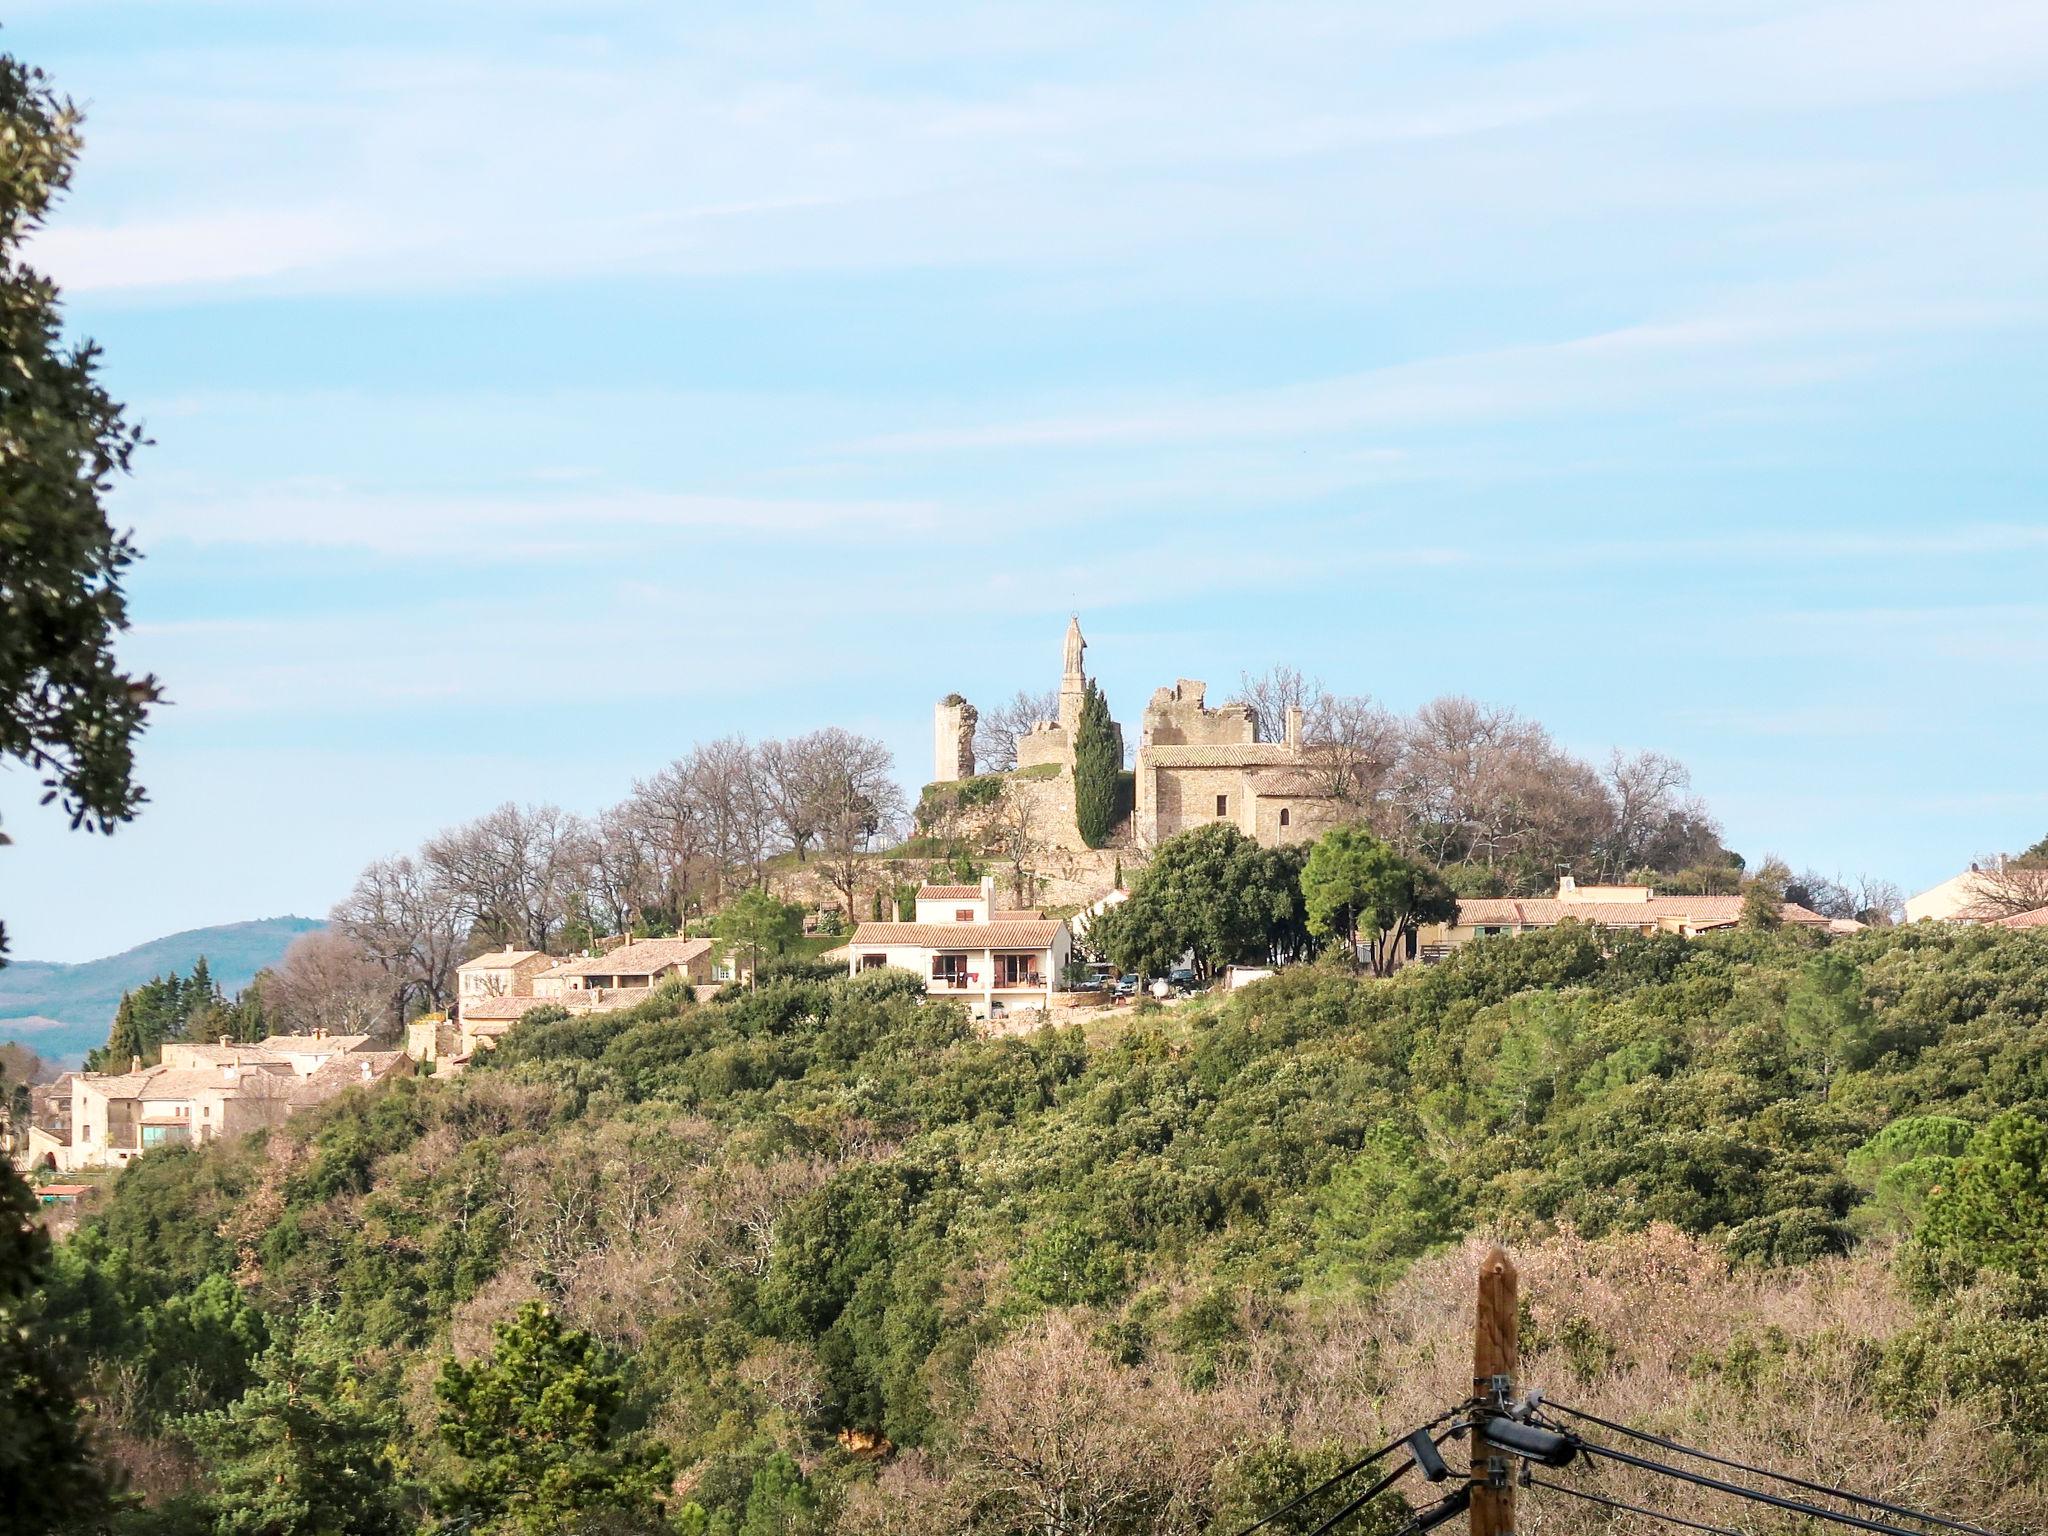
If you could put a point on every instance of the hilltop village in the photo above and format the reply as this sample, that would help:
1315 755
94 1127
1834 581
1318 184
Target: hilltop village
998 893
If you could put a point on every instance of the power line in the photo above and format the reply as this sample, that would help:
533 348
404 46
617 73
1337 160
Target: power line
1362 1500
1782 1477
1446 1508
1634 1509
1337 1477
1755 1495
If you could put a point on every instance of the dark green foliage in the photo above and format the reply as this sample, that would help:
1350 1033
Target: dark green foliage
47 1475
67 710
1991 1211
1097 766
867 1193
305 1450
164 1008
536 1423
1358 887
1213 892
758 926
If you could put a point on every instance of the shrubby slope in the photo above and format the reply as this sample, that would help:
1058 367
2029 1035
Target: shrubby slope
1758 1182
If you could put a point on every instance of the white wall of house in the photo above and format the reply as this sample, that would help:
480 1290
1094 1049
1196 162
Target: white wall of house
985 976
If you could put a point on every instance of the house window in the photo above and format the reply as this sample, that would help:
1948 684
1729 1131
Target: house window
1018 971
950 970
873 962
1223 805
963 914
1283 815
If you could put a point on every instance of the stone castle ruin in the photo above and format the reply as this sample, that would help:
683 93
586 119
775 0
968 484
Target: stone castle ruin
1194 765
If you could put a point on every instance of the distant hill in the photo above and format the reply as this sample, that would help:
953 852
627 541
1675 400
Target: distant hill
62 1011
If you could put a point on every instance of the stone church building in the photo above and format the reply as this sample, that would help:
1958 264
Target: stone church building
1194 764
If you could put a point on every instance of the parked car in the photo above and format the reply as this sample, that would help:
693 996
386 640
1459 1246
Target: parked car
1126 986
1182 979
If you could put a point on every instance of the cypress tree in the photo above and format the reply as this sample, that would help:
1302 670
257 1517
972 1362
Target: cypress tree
1097 764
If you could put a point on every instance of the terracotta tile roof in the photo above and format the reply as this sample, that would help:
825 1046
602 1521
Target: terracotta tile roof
1246 754
501 960
646 957
1542 911
346 1072
301 1044
2038 918
1036 934
223 1055
476 1008
1021 915
184 1082
949 893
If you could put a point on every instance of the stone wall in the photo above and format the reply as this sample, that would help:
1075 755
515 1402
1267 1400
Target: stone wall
1180 716
1186 797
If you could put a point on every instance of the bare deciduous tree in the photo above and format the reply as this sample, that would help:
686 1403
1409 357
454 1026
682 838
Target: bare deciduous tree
996 730
616 870
510 873
2003 887
1012 835
669 822
858 800
410 928
327 980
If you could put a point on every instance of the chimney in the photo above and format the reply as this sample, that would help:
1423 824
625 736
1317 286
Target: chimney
988 896
134 1063
366 1072
1294 726
227 1039
1567 887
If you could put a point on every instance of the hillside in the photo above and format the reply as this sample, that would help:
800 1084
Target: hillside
846 1266
62 1011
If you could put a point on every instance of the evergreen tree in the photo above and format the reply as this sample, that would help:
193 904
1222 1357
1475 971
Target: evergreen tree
67 711
164 1008
305 1451
1212 893
1356 883
1098 769
755 921
536 1422
1992 1212
48 1478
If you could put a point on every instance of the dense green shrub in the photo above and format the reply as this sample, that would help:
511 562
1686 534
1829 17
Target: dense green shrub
814 1206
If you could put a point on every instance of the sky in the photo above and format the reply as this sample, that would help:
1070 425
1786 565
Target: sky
537 389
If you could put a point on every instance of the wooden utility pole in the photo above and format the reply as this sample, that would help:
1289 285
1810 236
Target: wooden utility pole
1496 1349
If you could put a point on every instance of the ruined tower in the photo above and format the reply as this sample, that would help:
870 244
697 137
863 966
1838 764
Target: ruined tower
953 722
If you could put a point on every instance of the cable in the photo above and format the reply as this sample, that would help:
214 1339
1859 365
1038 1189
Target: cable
1782 1477
1449 1507
1337 1477
1757 1495
1634 1509
1381 1487
1362 1500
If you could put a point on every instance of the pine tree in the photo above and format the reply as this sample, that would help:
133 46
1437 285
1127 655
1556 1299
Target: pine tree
1098 766
535 1421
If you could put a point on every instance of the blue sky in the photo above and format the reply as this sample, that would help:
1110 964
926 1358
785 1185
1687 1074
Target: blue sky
540 388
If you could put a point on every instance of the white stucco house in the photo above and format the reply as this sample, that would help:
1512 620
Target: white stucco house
964 946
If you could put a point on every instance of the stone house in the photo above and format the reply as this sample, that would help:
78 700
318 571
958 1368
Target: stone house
966 946
635 968
200 1093
1635 907
506 972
